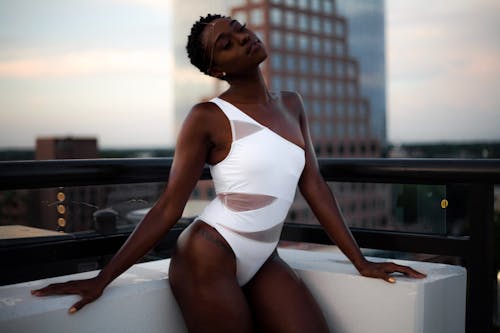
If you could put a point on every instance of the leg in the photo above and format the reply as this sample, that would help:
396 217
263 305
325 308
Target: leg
281 302
203 281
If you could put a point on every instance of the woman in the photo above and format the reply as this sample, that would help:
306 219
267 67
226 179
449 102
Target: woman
225 272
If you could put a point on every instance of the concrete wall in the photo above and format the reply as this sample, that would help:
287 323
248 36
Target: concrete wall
140 300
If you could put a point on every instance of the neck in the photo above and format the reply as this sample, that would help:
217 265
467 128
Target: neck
248 89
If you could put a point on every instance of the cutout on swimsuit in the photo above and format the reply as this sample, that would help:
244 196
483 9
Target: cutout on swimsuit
243 129
240 202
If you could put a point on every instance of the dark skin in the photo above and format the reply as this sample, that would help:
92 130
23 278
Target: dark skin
203 266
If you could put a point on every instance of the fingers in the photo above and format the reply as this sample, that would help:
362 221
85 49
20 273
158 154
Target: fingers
384 270
85 288
78 305
395 268
408 271
53 289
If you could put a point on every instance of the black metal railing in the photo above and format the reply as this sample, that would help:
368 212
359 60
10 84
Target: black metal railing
471 182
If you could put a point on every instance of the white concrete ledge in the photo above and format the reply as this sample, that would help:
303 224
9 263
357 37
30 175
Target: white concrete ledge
140 300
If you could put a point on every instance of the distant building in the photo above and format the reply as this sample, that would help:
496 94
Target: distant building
366 39
54 148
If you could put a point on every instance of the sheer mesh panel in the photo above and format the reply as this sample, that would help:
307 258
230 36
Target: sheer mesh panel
243 128
266 236
240 202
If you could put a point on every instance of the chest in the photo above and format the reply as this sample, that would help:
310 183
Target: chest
243 120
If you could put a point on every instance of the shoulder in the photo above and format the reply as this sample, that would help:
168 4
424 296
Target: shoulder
292 100
204 120
203 114
203 110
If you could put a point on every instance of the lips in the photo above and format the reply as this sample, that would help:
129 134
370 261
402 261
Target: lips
254 46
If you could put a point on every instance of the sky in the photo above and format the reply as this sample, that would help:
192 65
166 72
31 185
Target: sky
117 70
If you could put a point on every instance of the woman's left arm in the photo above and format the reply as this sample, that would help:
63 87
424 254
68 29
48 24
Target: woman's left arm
325 207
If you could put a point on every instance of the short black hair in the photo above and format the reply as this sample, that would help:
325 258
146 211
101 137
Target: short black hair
195 48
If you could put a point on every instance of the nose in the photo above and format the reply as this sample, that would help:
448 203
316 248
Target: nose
243 37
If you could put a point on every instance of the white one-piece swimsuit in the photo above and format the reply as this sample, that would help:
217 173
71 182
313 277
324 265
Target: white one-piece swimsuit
255 186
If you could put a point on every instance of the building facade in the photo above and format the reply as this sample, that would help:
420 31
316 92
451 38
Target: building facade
308 52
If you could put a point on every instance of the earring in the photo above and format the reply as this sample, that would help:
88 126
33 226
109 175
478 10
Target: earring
223 74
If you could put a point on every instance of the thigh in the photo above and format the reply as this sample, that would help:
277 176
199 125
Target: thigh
203 281
281 302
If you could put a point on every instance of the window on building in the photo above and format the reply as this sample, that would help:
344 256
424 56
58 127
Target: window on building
290 83
340 49
352 109
328 48
276 39
316 24
304 86
327 27
339 73
329 109
316 45
277 61
329 133
328 6
257 17
328 65
290 41
303 43
277 83
316 129
303 22
362 133
316 86
276 17
340 88
290 63
304 64
290 19
316 66
316 105
340 109
352 130
340 28
316 5
329 88
303 4
290 3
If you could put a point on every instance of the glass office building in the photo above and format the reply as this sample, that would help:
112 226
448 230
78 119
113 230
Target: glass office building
308 47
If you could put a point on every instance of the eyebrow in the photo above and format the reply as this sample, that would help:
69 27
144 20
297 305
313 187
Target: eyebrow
232 23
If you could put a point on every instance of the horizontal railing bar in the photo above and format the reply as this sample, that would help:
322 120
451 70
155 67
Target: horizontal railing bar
78 172
411 170
384 240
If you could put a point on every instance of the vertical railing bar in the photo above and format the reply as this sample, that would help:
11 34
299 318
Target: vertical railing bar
480 282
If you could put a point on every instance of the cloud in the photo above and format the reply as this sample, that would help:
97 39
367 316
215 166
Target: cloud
444 70
89 62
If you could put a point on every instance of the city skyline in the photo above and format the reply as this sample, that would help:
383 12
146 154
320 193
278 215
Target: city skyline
124 67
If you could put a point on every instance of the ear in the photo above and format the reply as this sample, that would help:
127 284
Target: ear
217 74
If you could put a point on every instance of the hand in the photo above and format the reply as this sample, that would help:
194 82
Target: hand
382 270
89 290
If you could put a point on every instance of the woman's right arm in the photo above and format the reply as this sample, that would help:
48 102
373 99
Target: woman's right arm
192 148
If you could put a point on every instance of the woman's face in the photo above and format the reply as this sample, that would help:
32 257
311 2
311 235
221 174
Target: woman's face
230 47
